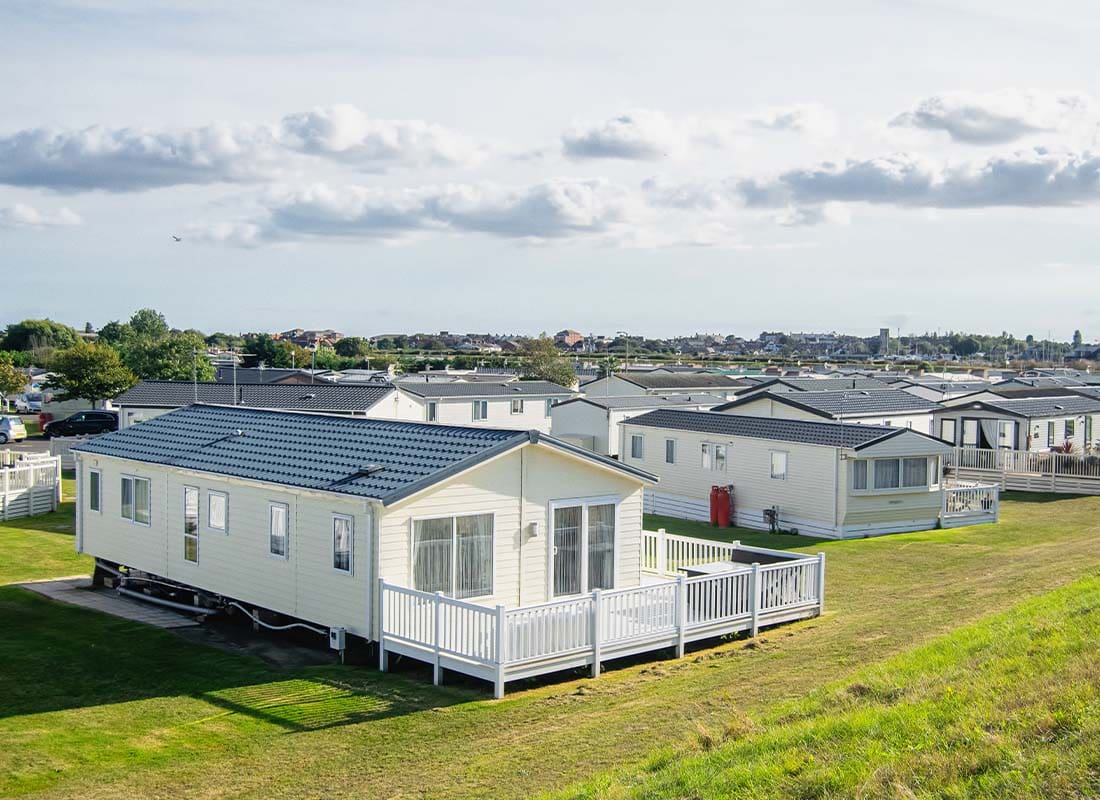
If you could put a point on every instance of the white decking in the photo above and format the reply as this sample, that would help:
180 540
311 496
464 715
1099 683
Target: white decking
1021 470
30 483
501 644
970 503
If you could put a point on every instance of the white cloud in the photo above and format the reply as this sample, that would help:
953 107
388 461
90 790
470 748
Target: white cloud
557 209
648 135
997 117
24 216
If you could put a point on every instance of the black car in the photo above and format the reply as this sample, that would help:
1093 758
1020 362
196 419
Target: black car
82 423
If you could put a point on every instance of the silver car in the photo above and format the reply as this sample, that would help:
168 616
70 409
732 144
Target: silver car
12 430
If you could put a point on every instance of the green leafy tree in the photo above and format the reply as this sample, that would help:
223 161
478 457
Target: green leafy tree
172 357
542 361
90 371
114 332
1077 338
352 347
39 334
12 379
148 323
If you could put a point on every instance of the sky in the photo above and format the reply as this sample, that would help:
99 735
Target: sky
657 168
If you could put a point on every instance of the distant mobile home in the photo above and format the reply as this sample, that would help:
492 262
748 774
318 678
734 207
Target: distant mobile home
517 405
822 478
661 381
887 407
593 421
1021 423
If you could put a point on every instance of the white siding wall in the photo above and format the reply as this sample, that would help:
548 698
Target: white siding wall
454 411
767 407
130 415
584 419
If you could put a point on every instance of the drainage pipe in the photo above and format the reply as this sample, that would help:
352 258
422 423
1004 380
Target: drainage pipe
258 621
166 603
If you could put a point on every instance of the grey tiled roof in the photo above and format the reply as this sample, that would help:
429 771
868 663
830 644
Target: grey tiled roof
1046 406
486 389
649 400
291 396
831 434
852 402
267 375
313 451
832 384
680 380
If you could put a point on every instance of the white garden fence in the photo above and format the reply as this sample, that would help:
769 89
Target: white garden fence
1022 470
30 484
499 644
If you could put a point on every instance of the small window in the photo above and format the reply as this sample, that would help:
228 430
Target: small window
1071 428
637 446
191 524
136 505
454 555
859 474
670 451
481 410
431 411
95 490
947 430
779 465
887 473
278 514
517 406
714 457
342 535
217 511
1050 434
549 406
914 472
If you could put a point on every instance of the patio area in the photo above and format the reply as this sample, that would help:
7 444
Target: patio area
692 589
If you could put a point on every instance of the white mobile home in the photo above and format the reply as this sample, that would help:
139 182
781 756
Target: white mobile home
822 478
658 382
516 405
1021 423
593 422
886 407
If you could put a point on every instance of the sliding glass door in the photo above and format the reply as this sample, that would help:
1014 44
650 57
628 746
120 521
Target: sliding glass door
583 546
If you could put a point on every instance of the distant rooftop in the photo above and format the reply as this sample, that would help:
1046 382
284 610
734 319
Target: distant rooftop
353 396
853 402
649 400
472 389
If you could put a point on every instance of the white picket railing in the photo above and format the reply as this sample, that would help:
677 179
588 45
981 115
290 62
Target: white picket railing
501 644
31 485
971 499
1028 470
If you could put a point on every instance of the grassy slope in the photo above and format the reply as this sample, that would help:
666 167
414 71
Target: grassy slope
41 547
1006 707
349 731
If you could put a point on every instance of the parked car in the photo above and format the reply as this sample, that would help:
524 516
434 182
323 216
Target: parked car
30 403
12 430
82 423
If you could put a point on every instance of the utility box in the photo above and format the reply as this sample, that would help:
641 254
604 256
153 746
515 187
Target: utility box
336 638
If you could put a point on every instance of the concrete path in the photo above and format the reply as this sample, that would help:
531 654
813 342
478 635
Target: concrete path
78 591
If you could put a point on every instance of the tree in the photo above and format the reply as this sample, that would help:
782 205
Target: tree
114 332
148 322
1077 339
967 347
173 357
90 371
12 380
543 362
353 347
38 334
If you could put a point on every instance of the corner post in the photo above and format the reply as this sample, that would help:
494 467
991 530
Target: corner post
383 657
681 613
662 552
57 486
501 652
596 632
437 667
820 583
755 594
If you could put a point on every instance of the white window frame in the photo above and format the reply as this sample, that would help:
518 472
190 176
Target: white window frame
637 446
710 452
930 476
351 544
271 506
97 495
454 551
670 450
954 430
431 411
211 493
480 411
134 479
584 502
786 466
198 523
517 406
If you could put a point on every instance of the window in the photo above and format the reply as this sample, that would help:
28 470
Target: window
343 528
779 465
549 406
1050 434
637 446
191 524
95 490
1071 428
887 473
714 457
481 410
583 546
914 472
517 406
859 474
454 555
431 411
277 530
217 511
670 451
947 430
970 433
136 500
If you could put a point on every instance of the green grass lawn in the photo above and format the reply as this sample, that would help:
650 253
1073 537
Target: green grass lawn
39 547
100 707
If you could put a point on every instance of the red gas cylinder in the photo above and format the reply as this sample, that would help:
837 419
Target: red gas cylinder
724 507
715 491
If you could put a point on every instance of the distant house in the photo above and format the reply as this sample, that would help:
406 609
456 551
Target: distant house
568 339
886 407
658 382
593 422
150 399
227 374
522 405
776 384
822 478
1020 423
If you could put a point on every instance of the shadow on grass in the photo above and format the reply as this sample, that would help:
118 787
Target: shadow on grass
703 530
56 657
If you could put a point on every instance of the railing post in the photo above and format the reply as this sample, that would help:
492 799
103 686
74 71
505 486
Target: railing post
681 614
596 633
755 594
6 474
383 658
437 671
820 583
57 488
662 552
502 652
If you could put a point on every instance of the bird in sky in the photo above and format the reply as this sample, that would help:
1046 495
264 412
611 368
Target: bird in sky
177 238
